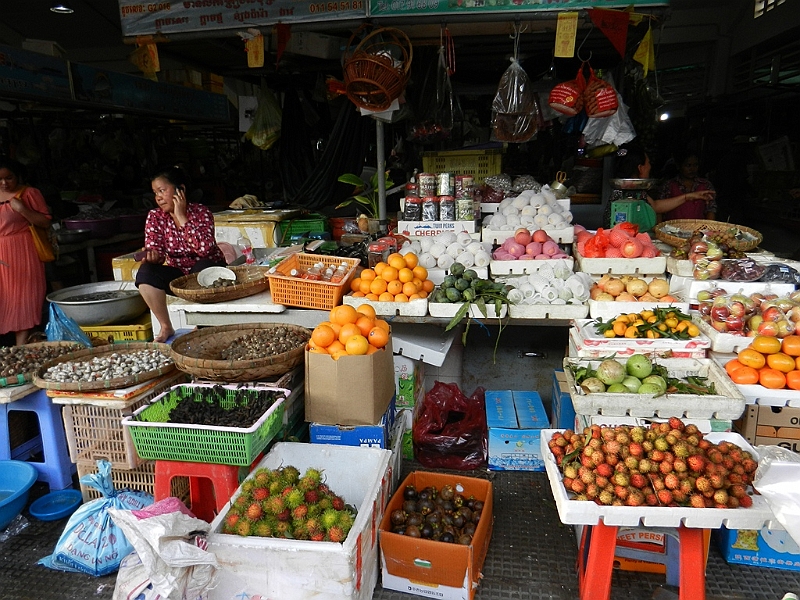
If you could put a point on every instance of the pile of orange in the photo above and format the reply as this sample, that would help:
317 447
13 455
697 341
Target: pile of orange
350 331
400 279
770 361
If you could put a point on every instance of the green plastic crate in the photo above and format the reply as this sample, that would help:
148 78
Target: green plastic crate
155 439
312 222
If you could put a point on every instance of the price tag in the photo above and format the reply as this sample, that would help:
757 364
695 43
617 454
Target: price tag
566 31
255 51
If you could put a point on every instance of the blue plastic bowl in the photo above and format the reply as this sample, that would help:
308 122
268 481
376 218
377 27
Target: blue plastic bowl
56 505
16 480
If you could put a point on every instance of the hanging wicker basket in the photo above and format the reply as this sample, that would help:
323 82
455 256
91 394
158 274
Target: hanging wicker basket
376 72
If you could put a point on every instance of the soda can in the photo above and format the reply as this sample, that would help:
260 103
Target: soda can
444 184
427 185
465 211
464 186
447 208
430 208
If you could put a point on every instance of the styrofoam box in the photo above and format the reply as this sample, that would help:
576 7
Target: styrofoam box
681 267
579 347
688 287
492 207
610 310
421 342
548 311
523 267
413 308
620 266
727 403
437 275
562 235
591 339
722 342
704 425
305 570
449 310
758 394
576 512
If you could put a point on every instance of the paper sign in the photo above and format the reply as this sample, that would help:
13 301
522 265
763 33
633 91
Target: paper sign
566 31
255 51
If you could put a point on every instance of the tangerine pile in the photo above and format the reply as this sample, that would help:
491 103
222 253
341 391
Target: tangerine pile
769 361
399 279
349 331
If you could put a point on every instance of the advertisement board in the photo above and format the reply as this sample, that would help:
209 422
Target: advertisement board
464 7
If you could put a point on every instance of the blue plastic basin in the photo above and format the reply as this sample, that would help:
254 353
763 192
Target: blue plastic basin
56 505
16 480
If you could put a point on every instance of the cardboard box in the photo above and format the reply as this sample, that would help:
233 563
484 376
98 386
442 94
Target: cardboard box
354 390
515 420
764 548
562 411
433 228
436 569
771 425
252 567
409 375
365 436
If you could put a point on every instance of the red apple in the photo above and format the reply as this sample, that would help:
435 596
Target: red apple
768 328
704 308
735 323
773 314
720 326
737 309
785 327
720 313
754 321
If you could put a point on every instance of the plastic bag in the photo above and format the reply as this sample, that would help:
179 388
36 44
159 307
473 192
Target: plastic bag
266 127
617 129
599 97
438 104
776 479
515 115
91 542
60 328
449 429
567 96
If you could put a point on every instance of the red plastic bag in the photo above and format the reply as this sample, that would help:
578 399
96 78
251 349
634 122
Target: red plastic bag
567 97
599 97
597 245
450 429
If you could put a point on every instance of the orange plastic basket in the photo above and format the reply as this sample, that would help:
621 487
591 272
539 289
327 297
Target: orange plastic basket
305 293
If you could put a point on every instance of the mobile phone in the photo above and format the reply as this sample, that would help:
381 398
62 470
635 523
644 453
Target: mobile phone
138 256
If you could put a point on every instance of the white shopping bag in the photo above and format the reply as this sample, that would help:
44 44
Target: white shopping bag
776 479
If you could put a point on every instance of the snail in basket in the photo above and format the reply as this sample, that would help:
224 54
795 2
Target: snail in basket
220 283
266 342
24 359
111 366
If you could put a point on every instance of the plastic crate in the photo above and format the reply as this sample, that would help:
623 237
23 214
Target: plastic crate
142 478
294 291
95 431
140 331
478 163
156 439
312 222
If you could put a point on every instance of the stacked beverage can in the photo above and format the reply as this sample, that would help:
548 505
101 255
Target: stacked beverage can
426 182
464 194
444 184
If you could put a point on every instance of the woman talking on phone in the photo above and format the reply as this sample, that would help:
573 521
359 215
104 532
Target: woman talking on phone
179 239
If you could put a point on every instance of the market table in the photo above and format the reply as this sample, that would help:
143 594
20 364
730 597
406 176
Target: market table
91 244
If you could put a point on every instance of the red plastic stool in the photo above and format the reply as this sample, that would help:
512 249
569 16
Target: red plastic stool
596 562
210 485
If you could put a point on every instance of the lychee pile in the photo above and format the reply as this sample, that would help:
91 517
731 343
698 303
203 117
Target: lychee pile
281 503
667 464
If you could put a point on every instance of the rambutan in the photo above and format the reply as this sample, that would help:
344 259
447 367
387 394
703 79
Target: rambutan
254 511
284 515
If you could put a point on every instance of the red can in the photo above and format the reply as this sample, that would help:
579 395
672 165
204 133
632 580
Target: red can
427 185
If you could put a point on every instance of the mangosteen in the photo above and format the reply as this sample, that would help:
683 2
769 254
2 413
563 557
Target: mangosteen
399 529
448 506
470 502
469 528
447 492
447 537
447 518
425 506
476 516
398 517
458 520
410 493
477 505
425 494
464 539
466 513
434 518
426 531
410 506
413 531
414 518
458 500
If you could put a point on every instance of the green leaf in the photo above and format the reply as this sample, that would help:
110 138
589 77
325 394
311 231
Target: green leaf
352 180
458 317
481 302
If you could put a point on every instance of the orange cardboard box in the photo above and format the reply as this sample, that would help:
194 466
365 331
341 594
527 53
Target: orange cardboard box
430 568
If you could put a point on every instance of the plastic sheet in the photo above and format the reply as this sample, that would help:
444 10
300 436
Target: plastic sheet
776 479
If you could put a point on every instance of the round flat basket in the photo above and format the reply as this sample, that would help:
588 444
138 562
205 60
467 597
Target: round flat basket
199 353
100 352
250 280
746 238
34 356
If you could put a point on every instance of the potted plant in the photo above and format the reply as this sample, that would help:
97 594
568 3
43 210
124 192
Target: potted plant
365 197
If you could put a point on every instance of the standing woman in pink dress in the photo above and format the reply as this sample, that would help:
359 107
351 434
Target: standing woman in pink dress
22 280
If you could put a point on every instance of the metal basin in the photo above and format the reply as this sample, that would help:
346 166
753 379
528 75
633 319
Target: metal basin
113 302
73 236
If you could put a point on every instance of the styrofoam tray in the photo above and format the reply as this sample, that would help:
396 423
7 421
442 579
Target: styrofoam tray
492 207
577 512
609 310
591 338
722 342
679 266
727 403
523 267
620 266
548 311
413 308
758 394
449 310
562 235
688 287
437 275
581 348
422 342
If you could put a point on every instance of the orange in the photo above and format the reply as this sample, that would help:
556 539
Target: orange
793 379
358 294
428 285
797 362
345 314
414 297
379 268
420 272
383 325
394 287
371 349
312 344
318 350
368 274
356 345
366 310
411 260
372 297
355 284
732 365
364 286
336 346
389 273
377 286
338 354
409 289
750 358
771 378
397 261
766 344
405 274
348 330
417 283
378 337
400 298
386 297
791 345
780 362
364 324
323 336
336 328
745 376
422 294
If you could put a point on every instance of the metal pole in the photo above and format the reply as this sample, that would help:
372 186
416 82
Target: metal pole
381 159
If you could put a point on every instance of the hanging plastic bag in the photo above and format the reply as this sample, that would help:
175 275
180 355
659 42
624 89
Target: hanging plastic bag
91 542
449 429
514 114
599 97
266 127
617 129
437 106
567 97
60 328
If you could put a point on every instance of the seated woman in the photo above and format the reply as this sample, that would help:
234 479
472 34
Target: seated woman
179 239
685 183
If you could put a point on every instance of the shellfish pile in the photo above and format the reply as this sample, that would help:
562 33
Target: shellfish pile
108 366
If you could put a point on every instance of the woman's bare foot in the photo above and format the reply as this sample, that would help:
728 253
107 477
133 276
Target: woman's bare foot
164 334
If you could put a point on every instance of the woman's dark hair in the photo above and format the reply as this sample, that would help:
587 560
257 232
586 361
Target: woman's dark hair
628 160
174 175
682 155
12 165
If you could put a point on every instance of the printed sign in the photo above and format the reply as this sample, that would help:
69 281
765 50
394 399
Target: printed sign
452 7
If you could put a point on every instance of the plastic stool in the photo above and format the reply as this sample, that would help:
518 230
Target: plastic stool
57 469
669 557
210 485
596 562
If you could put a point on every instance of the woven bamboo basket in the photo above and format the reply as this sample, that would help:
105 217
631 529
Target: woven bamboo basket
105 384
199 353
20 378
250 280
376 72
705 225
